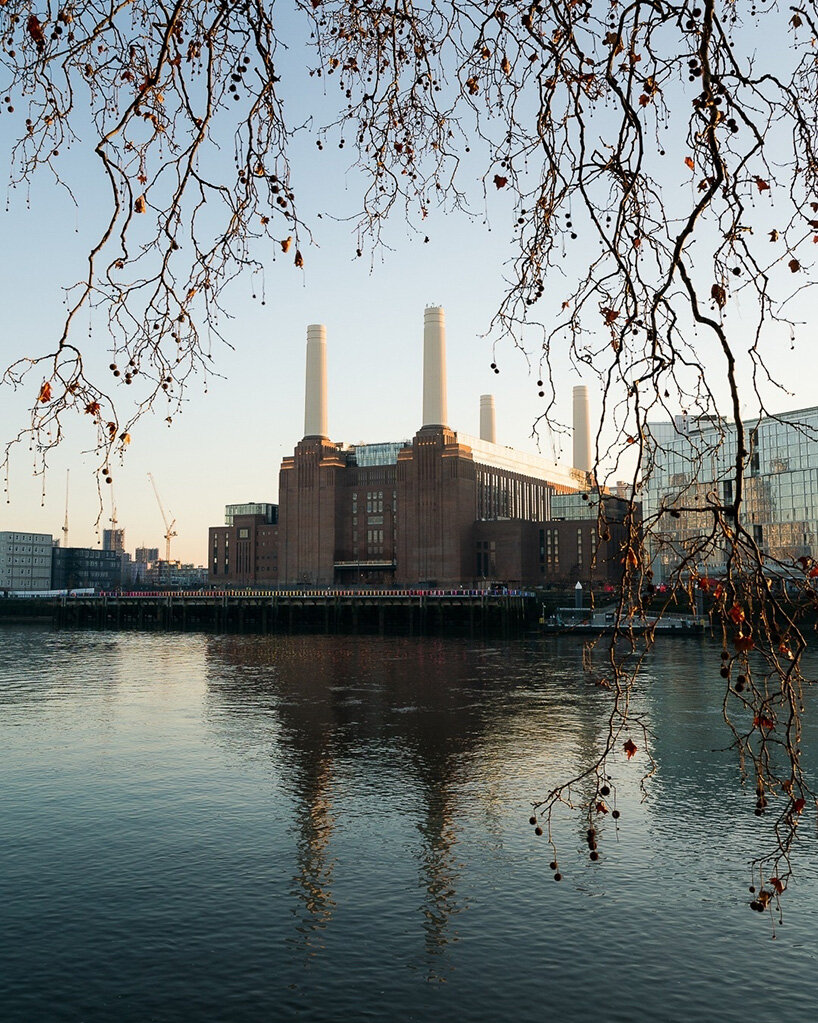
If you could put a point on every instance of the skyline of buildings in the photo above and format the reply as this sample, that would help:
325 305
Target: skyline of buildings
374 522
38 563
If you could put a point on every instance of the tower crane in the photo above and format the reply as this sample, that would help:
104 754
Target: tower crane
169 530
65 524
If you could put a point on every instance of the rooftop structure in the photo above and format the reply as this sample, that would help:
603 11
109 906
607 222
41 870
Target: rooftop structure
268 512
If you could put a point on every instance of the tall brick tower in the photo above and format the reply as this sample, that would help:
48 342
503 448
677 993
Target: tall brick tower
436 481
309 483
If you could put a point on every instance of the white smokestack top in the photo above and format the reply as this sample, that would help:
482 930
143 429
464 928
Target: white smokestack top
488 421
435 412
315 395
582 429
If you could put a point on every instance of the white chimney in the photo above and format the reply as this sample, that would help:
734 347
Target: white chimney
315 397
488 422
435 412
582 429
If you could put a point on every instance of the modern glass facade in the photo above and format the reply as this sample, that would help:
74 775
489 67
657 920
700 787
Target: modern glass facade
585 505
74 568
385 453
692 468
269 511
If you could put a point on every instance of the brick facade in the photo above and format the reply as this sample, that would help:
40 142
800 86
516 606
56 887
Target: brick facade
308 512
435 517
243 554
437 503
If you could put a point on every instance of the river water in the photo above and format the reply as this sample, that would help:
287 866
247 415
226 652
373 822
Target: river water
336 828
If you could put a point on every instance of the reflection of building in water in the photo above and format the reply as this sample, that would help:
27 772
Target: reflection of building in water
439 865
332 706
315 864
270 692
693 467
391 752
444 508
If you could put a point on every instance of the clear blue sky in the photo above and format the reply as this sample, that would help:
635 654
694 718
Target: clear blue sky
228 444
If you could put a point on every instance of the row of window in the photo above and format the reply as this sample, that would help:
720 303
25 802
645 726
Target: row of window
374 502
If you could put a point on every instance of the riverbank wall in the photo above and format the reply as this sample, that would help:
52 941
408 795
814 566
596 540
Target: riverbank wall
309 611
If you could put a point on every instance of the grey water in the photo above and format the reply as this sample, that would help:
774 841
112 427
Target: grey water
332 828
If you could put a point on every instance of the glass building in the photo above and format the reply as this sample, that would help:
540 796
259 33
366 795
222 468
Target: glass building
75 568
385 453
585 505
269 512
691 470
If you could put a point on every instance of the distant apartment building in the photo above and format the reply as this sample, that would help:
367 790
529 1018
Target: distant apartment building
78 568
174 575
693 461
25 561
146 555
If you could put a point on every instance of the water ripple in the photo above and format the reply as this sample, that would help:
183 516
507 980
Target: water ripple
322 828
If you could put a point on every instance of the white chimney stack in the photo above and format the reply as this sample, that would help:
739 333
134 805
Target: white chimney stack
488 422
435 412
582 429
315 397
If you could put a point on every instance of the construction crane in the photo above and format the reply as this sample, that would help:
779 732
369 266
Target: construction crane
169 530
114 539
113 519
65 524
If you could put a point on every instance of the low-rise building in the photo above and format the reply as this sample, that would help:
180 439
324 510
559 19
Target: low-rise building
174 575
78 568
244 551
25 561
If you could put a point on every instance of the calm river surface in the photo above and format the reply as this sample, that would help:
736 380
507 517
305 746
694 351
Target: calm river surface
254 828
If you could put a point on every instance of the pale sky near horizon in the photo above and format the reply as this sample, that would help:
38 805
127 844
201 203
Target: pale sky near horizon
227 445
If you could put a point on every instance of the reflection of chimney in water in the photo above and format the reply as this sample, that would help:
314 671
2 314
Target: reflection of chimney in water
582 429
315 396
488 422
435 412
